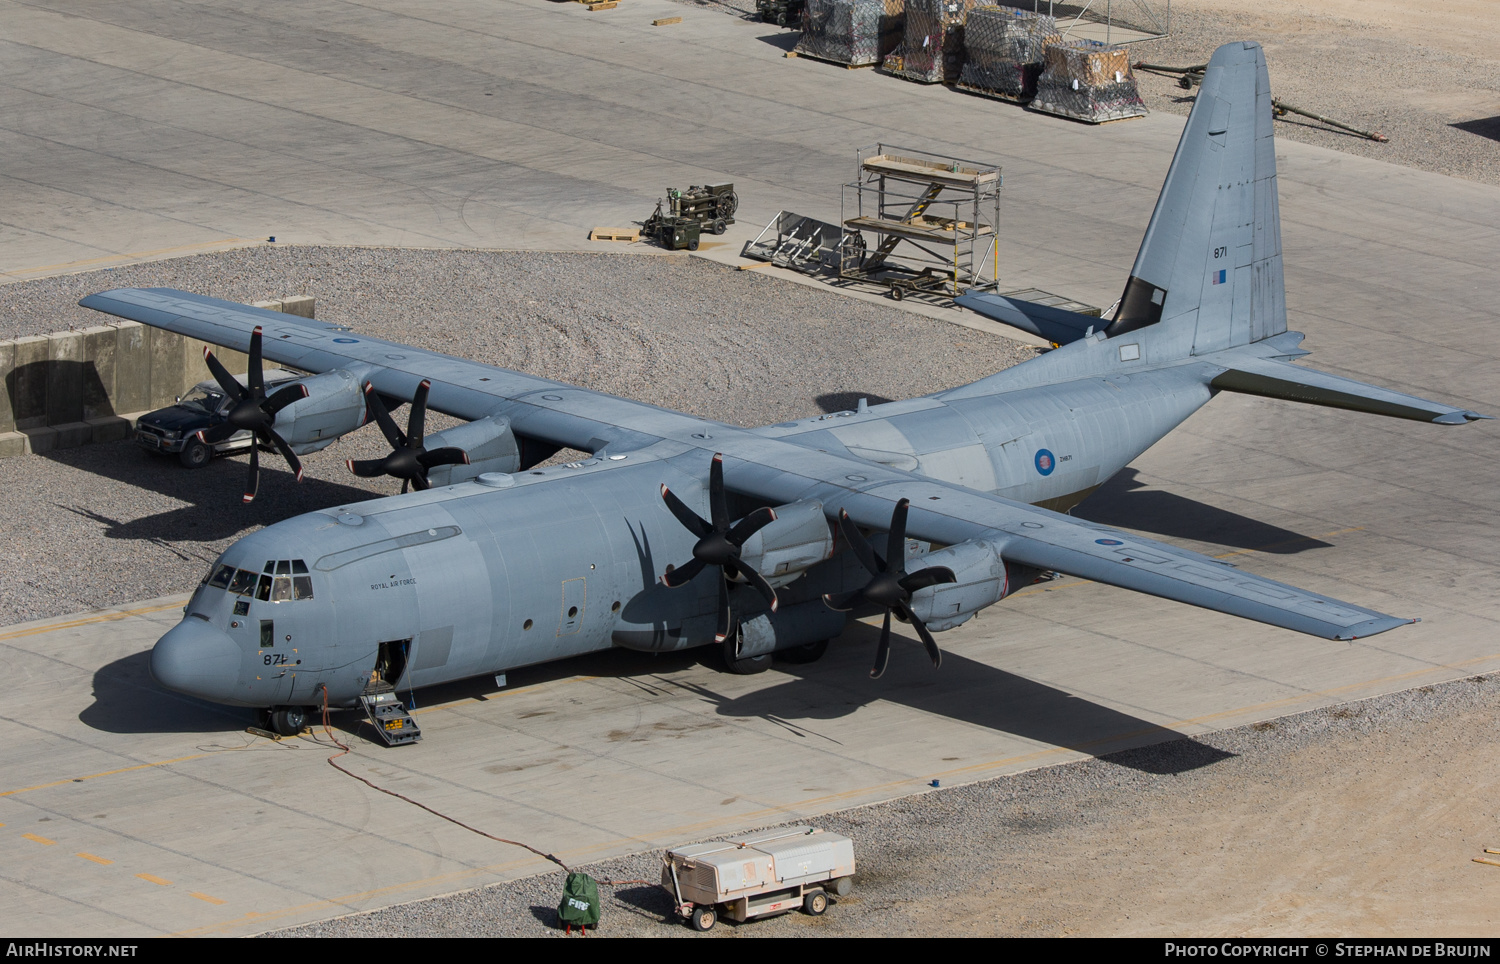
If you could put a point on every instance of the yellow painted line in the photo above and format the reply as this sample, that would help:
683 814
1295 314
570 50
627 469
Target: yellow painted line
211 900
106 773
40 840
97 860
104 617
129 256
153 879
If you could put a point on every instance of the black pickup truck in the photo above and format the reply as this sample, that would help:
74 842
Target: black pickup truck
172 430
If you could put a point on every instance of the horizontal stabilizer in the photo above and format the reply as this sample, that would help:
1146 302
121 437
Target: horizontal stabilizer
1057 325
1270 378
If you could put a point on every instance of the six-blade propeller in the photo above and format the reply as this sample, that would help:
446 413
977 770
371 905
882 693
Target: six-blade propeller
253 412
719 545
892 587
409 461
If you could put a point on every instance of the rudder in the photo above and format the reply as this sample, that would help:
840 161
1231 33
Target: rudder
1209 269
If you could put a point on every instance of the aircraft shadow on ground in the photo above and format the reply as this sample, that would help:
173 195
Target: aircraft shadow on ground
1484 127
1128 503
128 700
963 690
214 510
848 401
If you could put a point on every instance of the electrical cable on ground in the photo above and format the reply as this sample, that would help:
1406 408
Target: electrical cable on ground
344 749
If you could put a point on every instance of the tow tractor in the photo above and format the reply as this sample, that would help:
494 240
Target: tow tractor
758 875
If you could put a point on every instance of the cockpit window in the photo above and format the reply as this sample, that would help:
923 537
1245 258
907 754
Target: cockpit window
220 578
242 583
263 589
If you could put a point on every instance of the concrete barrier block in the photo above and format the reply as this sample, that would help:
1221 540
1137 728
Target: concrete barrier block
26 382
110 428
268 305
7 361
132 368
98 371
72 434
166 368
41 439
12 443
299 305
65 377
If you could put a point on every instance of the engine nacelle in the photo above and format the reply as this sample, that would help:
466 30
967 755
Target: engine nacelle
799 539
334 406
490 443
983 578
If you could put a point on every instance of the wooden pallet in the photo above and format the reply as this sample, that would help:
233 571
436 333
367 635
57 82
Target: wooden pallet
615 234
793 53
666 21
593 5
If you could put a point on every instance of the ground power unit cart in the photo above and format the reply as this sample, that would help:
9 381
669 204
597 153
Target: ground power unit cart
758 875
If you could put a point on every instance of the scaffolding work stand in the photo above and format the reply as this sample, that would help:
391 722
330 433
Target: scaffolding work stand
933 219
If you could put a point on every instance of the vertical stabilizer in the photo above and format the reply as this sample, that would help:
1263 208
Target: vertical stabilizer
1209 270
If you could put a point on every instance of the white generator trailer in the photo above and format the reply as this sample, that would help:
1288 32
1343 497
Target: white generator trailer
758 874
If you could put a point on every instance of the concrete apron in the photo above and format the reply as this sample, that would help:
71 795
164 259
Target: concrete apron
130 811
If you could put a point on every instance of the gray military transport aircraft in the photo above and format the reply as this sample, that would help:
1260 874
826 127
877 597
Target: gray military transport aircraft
678 532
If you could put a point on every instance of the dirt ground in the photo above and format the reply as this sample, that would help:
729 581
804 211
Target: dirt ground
1368 834
1425 75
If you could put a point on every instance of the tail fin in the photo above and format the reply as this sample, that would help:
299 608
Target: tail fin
1209 269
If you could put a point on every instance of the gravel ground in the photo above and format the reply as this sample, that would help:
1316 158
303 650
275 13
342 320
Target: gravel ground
111 524
1439 105
1098 847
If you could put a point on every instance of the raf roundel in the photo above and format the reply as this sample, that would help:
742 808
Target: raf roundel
346 341
1045 461
1109 542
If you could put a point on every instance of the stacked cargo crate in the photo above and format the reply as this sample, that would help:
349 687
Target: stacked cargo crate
1088 81
1004 52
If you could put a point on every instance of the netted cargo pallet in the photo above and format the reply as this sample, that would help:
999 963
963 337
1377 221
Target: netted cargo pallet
932 51
1004 51
855 33
1088 81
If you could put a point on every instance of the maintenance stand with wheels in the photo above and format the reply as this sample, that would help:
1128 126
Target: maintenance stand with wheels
772 872
933 218
689 213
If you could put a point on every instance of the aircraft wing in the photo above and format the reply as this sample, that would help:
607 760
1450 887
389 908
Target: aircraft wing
948 514
764 467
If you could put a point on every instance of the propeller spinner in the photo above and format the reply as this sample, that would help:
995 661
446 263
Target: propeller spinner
718 544
253 412
409 460
892 587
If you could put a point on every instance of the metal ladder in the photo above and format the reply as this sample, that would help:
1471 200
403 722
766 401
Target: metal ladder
876 258
388 715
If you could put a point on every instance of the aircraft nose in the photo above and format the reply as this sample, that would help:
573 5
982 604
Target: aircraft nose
197 659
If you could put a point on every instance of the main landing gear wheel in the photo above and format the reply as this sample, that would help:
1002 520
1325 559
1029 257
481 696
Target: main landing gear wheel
747 665
815 903
195 454
288 720
703 918
810 653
